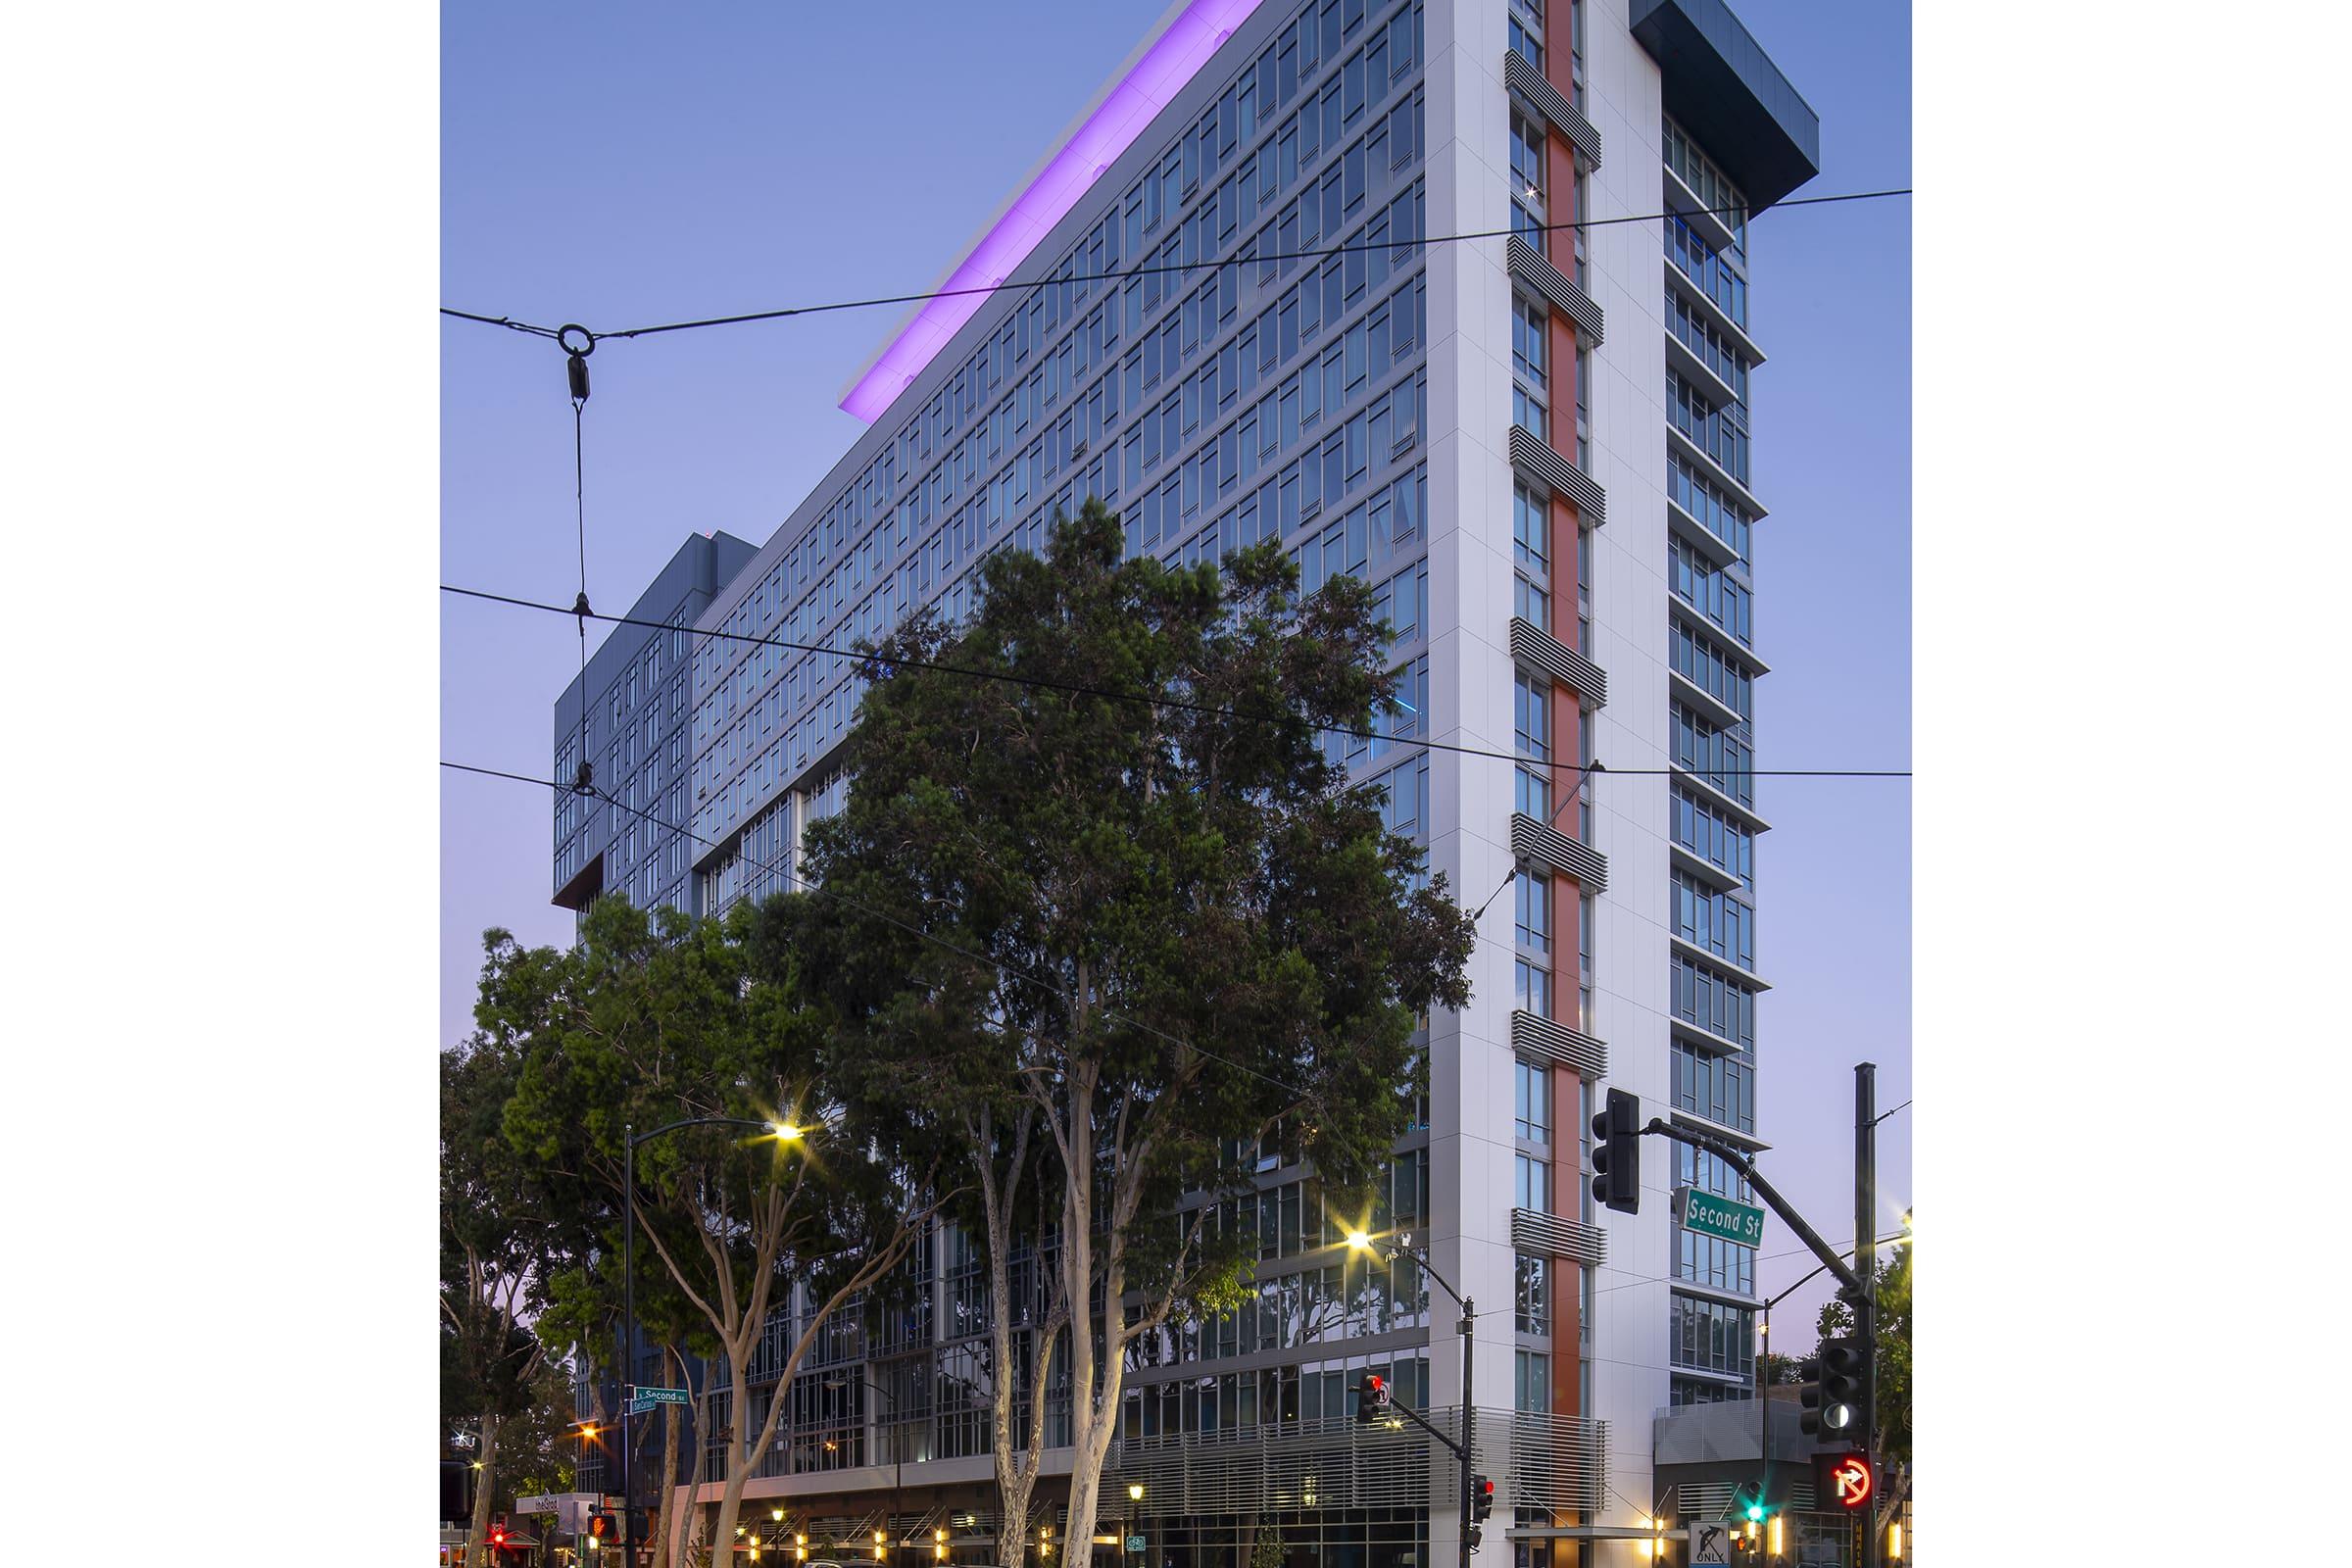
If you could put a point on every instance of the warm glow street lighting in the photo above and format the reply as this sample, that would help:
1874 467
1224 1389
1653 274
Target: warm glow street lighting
625 1331
1361 1240
1134 1492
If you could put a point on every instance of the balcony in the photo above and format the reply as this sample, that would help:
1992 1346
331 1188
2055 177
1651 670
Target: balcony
1546 845
1715 961
1555 1237
1688 205
1684 285
1548 1040
1713 471
1538 649
1535 459
1521 76
1703 702
1705 870
1697 371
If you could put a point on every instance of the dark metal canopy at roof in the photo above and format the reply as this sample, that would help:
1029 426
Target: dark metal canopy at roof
1724 90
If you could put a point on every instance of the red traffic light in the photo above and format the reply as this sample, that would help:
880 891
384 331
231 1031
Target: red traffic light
498 1536
1375 1381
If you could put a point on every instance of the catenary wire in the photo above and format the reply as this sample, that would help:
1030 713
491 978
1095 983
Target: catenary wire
1078 688
1142 268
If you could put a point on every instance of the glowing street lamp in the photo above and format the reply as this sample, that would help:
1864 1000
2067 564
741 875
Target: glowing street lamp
626 1329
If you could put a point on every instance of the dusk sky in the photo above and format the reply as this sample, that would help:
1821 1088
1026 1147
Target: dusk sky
628 165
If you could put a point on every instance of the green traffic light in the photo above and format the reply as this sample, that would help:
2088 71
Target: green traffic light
1755 1511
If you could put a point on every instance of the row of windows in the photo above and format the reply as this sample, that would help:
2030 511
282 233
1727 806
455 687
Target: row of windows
1723 924
1721 756
1712 186
1405 719
1710 835
1709 665
1711 1337
1707 505
1388 426
1720 430
1713 1001
1713 349
1392 47
1714 591
1715 278
1710 1259
1343 1300
1722 1088
1321 1390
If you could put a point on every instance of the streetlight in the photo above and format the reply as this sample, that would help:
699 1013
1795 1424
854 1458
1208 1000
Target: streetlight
1135 1500
897 1447
783 1132
1362 1241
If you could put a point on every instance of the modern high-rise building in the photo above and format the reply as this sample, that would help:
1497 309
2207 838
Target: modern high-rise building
1257 324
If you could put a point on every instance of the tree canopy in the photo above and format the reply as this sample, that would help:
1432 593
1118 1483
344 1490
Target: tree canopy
1129 897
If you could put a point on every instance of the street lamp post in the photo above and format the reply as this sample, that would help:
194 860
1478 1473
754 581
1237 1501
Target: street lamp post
1362 1242
898 1450
1135 1502
624 1365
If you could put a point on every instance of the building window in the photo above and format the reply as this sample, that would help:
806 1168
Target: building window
1531 1183
1532 1312
1531 1383
1530 1103
1531 718
1532 913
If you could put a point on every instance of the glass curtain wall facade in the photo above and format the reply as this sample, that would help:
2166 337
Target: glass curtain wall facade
1242 334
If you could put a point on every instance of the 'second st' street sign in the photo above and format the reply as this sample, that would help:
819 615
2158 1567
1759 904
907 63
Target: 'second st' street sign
643 1399
1705 1214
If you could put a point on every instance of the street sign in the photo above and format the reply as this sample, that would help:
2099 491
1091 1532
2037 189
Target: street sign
1710 1544
644 1399
1135 1543
1705 1214
1842 1480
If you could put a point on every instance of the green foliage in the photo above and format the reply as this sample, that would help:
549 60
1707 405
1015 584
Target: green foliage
651 1022
1268 1552
1184 903
496 1240
1894 1357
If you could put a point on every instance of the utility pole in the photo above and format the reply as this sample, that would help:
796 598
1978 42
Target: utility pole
1866 1264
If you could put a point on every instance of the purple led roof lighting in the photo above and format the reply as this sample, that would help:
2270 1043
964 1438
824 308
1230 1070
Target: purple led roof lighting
1172 61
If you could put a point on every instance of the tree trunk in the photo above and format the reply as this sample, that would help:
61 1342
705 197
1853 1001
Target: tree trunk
667 1510
741 1454
485 1483
1094 1414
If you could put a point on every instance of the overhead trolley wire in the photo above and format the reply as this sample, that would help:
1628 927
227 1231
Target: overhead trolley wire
1142 268
1081 689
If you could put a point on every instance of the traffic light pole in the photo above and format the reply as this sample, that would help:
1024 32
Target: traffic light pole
1865 1261
1461 1449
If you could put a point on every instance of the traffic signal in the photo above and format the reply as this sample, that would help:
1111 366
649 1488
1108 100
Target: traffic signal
498 1533
1371 1400
1832 1399
1617 1153
600 1524
1481 1496
1833 1404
